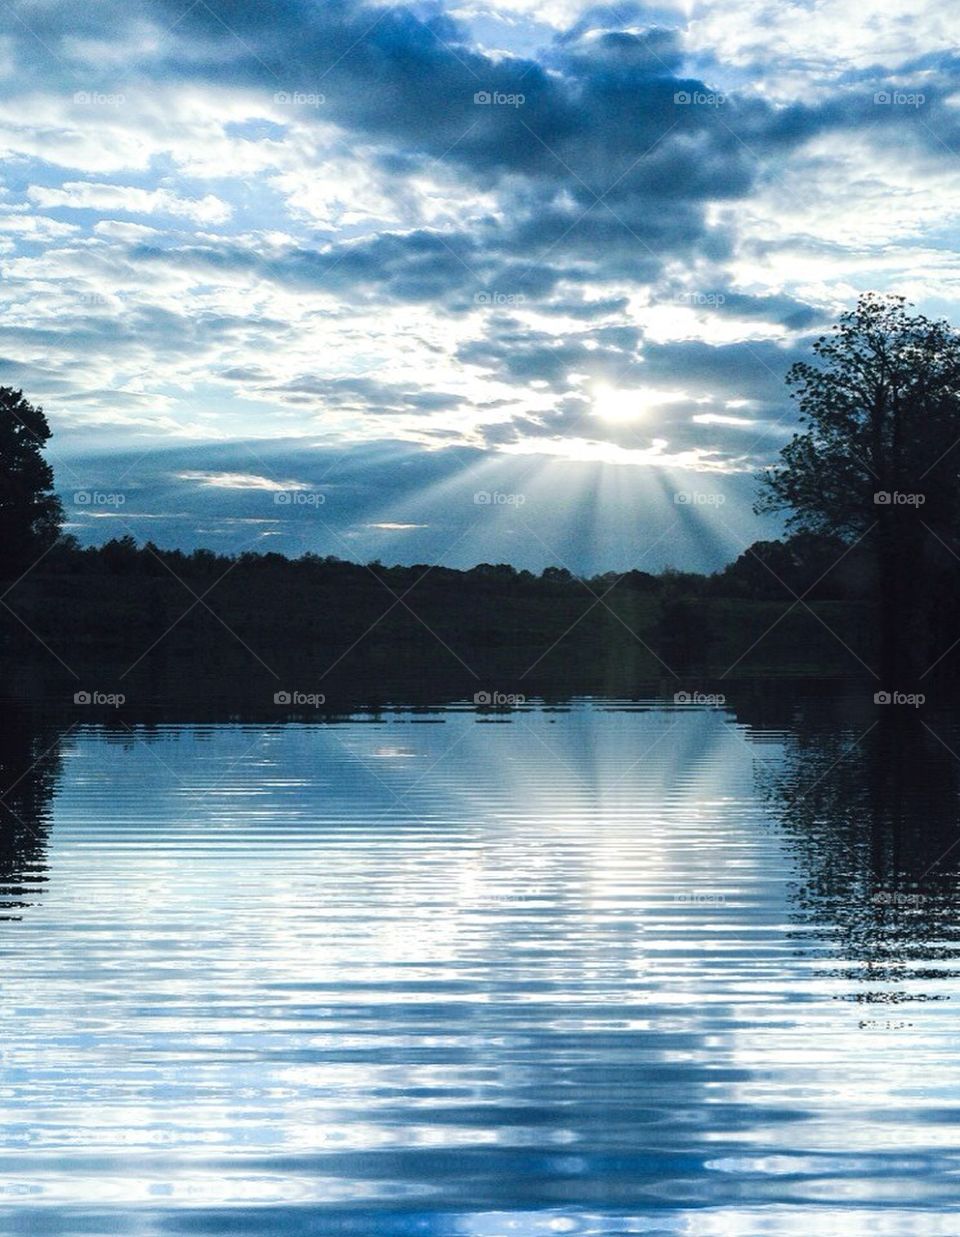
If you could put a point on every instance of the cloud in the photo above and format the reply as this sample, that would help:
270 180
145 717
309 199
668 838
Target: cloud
296 222
83 195
392 526
239 481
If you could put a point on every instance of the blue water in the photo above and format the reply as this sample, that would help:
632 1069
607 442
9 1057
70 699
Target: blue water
605 968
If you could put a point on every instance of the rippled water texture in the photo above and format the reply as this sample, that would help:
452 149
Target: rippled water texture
599 969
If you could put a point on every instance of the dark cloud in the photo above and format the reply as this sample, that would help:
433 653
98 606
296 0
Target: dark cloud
586 163
514 351
364 395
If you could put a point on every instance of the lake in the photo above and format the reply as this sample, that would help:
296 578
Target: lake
586 967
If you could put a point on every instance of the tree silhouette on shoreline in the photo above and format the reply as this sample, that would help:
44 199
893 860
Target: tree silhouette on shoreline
878 462
30 512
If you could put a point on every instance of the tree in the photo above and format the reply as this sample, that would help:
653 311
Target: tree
30 512
121 556
811 565
878 462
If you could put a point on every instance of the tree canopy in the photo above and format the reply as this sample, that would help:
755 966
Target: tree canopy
30 512
878 457
881 407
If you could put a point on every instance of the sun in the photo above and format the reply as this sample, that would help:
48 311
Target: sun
615 404
628 403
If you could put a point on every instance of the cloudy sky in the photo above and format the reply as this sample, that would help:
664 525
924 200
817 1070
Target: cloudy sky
511 281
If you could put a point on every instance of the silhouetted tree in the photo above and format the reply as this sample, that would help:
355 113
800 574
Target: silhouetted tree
808 565
556 575
121 556
878 462
30 512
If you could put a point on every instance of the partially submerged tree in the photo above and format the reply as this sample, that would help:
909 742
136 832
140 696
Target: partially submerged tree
878 461
30 512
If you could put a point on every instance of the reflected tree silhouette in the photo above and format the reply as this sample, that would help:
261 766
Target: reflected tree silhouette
30 765
868 797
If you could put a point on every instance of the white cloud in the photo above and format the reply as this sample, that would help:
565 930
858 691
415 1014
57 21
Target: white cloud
36 227
85 195
391 526
240 481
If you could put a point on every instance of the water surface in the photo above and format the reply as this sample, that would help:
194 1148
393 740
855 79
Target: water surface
603 968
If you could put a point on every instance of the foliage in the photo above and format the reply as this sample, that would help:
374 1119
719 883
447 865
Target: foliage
30 512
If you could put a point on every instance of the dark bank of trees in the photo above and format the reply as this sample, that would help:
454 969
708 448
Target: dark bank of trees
804 564
120 599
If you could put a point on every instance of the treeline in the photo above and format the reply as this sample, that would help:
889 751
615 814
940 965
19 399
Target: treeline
184 616
819 568
803 605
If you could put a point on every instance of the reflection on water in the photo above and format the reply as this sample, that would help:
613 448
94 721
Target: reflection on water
869 801
603 968
30 758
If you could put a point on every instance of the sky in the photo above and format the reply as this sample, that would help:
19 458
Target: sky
453 282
